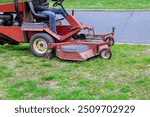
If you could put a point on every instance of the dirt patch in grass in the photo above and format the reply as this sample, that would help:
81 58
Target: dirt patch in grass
1 94
147 73
148 50
12 63
44 97
49 84
1 85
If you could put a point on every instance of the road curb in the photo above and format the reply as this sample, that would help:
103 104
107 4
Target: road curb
122 43
110 10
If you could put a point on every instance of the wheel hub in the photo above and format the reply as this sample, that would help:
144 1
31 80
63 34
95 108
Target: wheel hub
40 45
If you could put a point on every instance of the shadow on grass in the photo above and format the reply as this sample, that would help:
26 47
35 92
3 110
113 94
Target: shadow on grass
15 50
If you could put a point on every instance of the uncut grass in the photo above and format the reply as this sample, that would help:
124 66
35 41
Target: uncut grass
102 4
125 76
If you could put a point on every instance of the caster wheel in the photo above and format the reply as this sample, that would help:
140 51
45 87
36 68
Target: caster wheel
105 54
110 39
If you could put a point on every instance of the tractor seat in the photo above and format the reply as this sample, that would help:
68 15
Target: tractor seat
37 16
75 48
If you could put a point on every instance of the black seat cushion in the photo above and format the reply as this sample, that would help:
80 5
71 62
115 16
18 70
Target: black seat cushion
36 16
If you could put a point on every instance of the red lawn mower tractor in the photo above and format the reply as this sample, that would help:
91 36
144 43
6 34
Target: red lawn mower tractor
19 23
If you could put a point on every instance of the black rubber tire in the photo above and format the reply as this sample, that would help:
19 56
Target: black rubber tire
82 36
46 37
79 36
103 56
108 39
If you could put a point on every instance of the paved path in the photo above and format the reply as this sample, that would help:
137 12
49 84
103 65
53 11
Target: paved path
131 26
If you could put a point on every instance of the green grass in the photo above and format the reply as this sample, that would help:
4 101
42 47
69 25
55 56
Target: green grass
103 4
5 72
27 89
125 76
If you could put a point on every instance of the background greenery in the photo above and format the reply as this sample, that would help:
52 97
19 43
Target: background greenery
103 4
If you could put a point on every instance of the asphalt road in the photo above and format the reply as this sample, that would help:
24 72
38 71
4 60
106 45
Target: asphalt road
131 26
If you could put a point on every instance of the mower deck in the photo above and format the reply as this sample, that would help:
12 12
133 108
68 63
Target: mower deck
79 50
